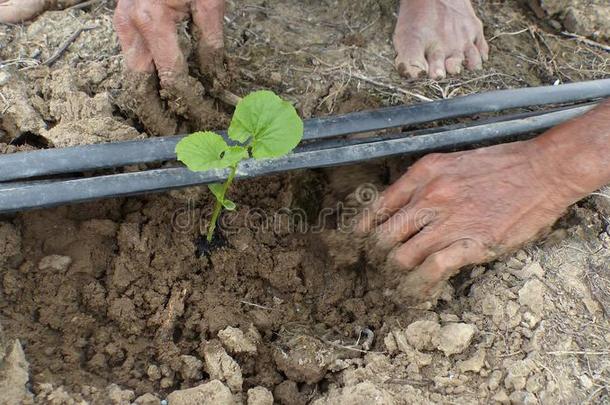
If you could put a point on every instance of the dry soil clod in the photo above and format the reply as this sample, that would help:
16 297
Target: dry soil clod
210 393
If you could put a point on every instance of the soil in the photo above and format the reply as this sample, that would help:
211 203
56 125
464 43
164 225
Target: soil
117 302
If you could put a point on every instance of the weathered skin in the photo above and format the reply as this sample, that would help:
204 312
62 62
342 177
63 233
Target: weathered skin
149 40
16 11
148 36
452 210
436 37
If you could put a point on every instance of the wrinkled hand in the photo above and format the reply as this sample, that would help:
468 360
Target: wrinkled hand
149 41
147 32
14 12
452 210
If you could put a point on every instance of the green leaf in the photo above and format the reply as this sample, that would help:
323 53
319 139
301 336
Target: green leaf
272 123
217 189
235 154
203 151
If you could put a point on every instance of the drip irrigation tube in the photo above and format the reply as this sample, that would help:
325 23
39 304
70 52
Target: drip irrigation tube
91 157
19 196
386 136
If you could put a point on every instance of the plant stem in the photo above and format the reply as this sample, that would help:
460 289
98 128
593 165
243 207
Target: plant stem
218 206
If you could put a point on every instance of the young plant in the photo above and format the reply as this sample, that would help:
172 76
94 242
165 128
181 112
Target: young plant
263 126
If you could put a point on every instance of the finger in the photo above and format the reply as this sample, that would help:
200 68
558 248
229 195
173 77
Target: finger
157 25
393 198
156 22
208 17
137 56
17 11
413 252
436 65
410 59
423 282
483 47
398 194
140 96
453 64
403 225
473 58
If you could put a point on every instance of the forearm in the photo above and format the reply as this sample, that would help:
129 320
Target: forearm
576 154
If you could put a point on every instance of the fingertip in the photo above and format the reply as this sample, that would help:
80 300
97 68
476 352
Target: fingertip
424 282
442 265
417 288
401 259
370 217
208 16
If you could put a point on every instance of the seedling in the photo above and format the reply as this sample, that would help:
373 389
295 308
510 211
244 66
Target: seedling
263 127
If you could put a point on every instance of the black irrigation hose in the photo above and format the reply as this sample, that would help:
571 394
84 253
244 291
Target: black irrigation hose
342 141
17 197
90 157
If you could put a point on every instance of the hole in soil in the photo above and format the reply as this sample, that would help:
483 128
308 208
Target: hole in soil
324 386
462 282
32 139
204 248
177 335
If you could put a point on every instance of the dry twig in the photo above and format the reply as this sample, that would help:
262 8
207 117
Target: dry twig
585 40
509 33
66 44
256 305
570 352
389 86
85 4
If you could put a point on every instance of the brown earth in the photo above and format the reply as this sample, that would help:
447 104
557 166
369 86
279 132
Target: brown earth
113 300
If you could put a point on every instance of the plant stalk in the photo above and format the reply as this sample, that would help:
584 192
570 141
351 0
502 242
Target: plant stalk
218 206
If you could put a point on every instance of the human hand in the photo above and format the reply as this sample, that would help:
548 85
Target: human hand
14 12
147 32
452 210
149 41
